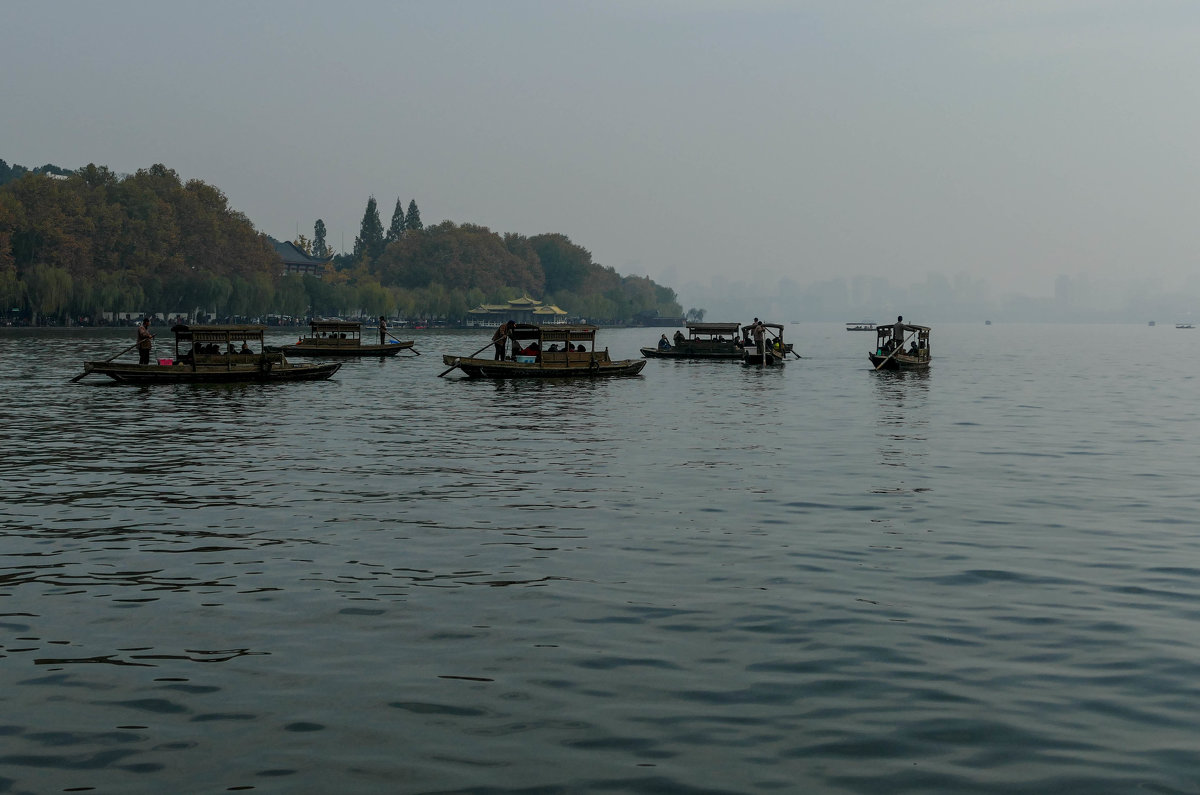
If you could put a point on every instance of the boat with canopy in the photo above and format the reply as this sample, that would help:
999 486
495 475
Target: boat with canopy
212 354
772 352
552 351
702 341
341 338
891 354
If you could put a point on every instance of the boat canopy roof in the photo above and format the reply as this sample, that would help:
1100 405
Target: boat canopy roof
218 333
713 328
553 333
339 326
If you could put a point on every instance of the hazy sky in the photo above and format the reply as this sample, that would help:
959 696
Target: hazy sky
692 141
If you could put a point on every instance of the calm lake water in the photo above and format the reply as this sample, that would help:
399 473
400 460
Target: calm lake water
706 579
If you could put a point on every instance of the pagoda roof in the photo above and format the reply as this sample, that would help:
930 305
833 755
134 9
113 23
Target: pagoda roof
291 254
523 304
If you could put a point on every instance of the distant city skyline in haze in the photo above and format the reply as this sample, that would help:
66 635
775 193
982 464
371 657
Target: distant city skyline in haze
699 143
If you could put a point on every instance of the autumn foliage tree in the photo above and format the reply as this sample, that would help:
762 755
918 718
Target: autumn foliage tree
84 243
144 242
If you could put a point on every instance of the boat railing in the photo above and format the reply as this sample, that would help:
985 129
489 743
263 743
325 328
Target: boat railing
569 358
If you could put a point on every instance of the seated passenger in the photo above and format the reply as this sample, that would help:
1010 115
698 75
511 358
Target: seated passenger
580 349
679 337
664 344
553 348
246 347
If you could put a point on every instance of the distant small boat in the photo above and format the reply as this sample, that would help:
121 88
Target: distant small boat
987 322
1151 322
1184 325
860 326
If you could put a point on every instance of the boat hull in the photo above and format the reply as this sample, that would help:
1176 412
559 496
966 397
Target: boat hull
389 349
901 361
767 359
684 353
236 374
491 368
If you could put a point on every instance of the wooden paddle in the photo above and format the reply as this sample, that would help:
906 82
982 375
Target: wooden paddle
459 358
414 350
87 370
895 350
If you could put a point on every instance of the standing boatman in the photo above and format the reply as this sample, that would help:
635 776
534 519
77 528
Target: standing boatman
759 333
382 330
144 340
500 337
898 332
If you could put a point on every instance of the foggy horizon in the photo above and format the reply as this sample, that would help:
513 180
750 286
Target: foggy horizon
718 148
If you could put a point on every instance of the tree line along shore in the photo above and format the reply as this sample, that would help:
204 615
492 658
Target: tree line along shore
92 247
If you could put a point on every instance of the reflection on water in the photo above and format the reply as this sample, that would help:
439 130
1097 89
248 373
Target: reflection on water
903 410
710 578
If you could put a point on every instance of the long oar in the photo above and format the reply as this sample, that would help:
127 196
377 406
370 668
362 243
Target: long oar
460 358
87 370
414 350
895 350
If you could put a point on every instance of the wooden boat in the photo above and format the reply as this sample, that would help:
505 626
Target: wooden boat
548 352
214 354
773 351
860 326
338 338
890 354
703 341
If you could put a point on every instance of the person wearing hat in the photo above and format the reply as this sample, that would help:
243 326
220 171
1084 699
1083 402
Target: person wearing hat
144 341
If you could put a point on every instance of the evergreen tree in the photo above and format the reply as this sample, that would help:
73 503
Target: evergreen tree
369 242
412 221
319 249
396 230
